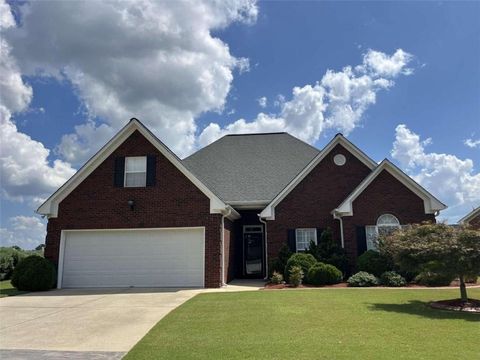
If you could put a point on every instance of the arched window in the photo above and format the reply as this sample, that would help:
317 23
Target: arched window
386 223
388 220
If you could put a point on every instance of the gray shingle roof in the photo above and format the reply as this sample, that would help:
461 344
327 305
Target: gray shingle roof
250 167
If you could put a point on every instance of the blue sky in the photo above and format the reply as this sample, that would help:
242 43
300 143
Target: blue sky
197 69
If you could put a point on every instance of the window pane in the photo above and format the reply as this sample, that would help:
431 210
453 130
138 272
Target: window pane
135 179
303 238
136 164
371 234
387 219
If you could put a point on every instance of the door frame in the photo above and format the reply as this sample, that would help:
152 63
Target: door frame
63 234
244 264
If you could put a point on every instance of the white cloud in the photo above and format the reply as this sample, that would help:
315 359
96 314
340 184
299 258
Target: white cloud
454 181
25 172
338 101
262 102
157 61
25 231
472 143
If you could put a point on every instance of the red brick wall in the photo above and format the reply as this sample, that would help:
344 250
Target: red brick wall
312 200
229 251
385 195
173 202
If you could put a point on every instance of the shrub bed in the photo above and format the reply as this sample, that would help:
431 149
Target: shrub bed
392 279
304 261
374 263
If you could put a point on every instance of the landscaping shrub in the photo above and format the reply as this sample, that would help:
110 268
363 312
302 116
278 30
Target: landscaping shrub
295 276
324 274
329 251
431 278
374 263
34 273
362 279
305 261
9 259
391 278
280 262
276 278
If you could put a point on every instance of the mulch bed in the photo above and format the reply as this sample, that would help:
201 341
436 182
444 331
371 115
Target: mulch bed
472 305
269 286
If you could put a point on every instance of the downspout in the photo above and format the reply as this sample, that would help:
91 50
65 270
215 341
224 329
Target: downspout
222 262
266 247
339 218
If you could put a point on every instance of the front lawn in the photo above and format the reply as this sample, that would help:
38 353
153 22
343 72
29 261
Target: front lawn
314 324
6 289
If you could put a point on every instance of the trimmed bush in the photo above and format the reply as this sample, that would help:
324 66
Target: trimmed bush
391 278
329 251
373 262
296 276
34 273
324 274
278 264
305 261
276 278
431 278
362 279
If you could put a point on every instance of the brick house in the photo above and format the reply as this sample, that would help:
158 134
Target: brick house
137 215
472 219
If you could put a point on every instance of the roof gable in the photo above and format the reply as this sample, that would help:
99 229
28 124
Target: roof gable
431 203
470 216
50 206
339 139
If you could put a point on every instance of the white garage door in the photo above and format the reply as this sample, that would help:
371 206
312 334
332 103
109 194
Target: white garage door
141 258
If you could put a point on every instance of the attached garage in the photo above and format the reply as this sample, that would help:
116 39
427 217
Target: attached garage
162 257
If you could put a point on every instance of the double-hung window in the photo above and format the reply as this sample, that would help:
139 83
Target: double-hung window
136 171
303 238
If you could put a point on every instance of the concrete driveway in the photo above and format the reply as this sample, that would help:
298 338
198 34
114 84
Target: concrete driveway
100 323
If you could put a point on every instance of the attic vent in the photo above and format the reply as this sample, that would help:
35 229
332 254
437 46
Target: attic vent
339 159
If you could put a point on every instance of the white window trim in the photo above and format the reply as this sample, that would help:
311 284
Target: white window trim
134 172
303 229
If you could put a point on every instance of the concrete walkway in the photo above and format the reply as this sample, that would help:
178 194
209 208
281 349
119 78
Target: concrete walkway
97 323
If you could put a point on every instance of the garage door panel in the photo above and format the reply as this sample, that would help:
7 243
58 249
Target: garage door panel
111 258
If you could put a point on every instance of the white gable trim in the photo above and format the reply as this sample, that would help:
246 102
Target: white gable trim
50 206
431 203
470 216
269 212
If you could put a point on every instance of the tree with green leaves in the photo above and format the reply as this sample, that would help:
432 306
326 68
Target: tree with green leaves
452 250
328 251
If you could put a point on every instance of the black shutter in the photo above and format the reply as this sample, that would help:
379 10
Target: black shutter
292 240
151 169
319 234
361 240
119 172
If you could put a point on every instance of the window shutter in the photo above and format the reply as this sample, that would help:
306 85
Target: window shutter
292 241
151 169
361 240
319 234
119 172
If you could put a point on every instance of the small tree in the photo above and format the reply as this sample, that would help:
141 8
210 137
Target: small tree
455 251
328 251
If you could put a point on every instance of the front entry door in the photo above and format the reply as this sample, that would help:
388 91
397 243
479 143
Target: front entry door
253 250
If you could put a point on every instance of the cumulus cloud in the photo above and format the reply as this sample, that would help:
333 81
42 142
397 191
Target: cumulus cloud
25 171
25 231
262 102
337 101
155 60
472 143
452 180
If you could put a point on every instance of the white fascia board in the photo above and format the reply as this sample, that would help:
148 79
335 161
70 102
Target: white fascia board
472 214
50 206
269 212
431 203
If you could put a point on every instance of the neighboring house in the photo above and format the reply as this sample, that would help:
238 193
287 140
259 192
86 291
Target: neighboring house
137 215
472 219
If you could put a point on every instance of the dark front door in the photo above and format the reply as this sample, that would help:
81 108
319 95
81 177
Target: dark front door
253 250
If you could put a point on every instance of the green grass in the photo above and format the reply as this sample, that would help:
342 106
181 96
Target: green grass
6 289
314 324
